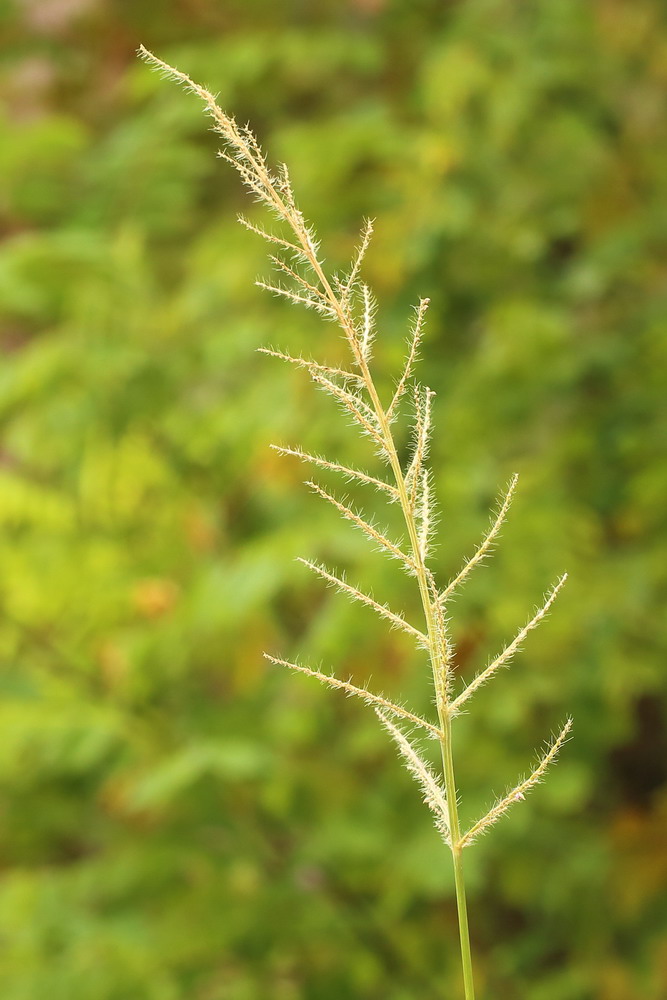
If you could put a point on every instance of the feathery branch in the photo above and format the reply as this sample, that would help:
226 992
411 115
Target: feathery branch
354 405
272 237
397 620
351 689
299 278
367 333
335 467
347 286
433 793
508 652
422 432
365 526
487 542
415 340
320 303
519 792
312 366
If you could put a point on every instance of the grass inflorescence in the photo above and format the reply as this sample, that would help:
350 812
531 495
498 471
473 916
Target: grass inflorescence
349 302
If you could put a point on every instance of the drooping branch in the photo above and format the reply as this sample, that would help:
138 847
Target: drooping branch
433 792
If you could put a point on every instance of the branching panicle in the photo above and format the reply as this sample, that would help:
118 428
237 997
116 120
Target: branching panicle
350 303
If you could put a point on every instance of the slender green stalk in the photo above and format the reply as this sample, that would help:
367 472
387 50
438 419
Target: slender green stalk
350 304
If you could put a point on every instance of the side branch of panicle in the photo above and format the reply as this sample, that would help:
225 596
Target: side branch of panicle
324 463
369 529
413 349
348 284
509 651
397 620
433 792
313 366
518 793
376 700
487 542
422 431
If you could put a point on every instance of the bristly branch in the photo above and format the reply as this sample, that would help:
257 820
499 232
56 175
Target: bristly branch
519 792
365 526
355 406
313 366
413 349
300 280
367 696
487 542
324 463
398 621
509 651
423 398
272 238
311 301
433 792
348 285
367 330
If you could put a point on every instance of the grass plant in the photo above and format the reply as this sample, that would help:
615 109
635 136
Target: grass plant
348 301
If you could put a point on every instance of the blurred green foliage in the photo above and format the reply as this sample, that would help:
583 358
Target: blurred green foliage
176 818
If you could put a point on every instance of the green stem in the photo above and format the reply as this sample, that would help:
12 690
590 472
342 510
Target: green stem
457 852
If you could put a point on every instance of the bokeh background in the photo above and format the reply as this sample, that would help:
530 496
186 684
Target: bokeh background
177 818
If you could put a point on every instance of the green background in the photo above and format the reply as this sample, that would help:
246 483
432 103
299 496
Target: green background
178 819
